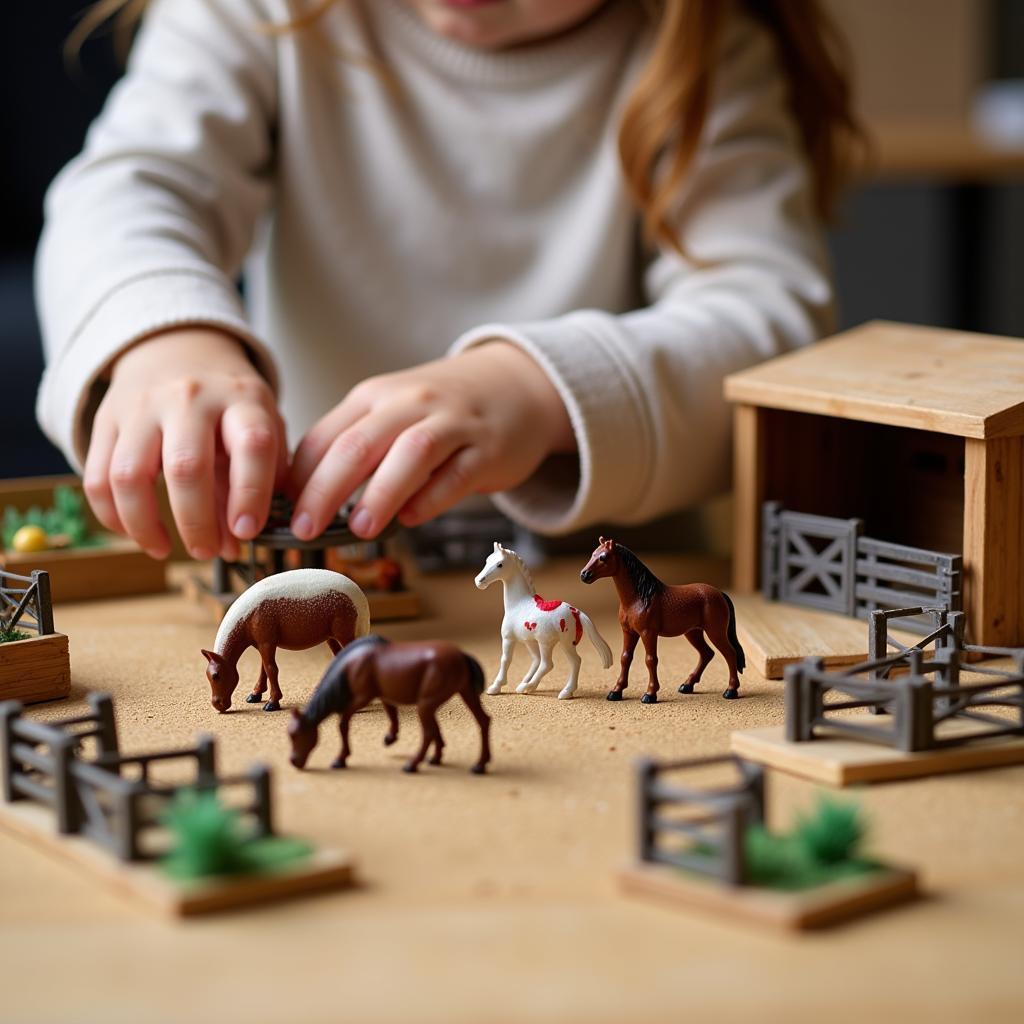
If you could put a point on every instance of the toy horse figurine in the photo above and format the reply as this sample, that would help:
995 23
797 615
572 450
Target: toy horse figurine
294 610
538 624
649 608
424 674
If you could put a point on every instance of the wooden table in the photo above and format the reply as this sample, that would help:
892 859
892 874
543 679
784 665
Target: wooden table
493 899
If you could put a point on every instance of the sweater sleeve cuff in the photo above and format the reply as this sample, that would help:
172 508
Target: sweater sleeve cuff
613 435
71 385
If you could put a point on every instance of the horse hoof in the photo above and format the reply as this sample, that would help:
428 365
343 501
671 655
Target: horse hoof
731 694
409 769
614 695
523 688
254 698
389 739
566 695
434 761
272 705
493 690
686 687
478 769
338 763
649 698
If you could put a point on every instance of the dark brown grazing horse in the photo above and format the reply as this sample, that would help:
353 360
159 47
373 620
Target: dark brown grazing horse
424 674
649 608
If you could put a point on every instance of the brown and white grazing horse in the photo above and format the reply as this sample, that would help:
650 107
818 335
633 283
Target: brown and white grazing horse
294 610
649 608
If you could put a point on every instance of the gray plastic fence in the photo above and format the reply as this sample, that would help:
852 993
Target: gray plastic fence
825 563
931 692
109 798
716 838
28 606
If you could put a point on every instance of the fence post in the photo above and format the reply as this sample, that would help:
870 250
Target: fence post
755 787
646 771
850 575
732 841
770 556
878 640
10 711
796 729
126 823
206 758
44 602
66 806
102 705
260 776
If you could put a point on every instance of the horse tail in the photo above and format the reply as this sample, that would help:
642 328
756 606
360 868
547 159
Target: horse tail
597 640
476 673
741 658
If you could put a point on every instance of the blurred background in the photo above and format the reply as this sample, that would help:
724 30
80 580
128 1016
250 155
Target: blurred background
933 236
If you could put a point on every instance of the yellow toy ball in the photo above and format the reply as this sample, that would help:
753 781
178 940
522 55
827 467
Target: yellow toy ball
30 538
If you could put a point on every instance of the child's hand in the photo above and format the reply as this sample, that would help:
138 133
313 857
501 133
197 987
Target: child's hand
188 402
481 421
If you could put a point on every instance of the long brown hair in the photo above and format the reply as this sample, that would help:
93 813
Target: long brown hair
664 117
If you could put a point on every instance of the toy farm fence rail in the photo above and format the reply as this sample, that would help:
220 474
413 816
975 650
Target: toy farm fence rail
930 694
98 798
32 603
716 850
825 563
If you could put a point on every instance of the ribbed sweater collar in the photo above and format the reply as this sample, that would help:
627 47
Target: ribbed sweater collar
522 66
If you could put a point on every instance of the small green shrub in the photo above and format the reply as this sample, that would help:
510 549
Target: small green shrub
9 633
210 839
833 833
65 516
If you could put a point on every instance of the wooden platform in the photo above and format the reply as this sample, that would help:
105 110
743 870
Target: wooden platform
117 568
145 883
843 761
35 669
812 908
775 635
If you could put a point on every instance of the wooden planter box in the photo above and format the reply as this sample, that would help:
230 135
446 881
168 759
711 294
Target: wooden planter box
117 568
35 669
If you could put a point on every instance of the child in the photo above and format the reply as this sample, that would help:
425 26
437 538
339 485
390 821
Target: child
438 205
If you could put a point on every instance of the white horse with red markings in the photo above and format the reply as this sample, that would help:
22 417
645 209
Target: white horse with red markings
539 625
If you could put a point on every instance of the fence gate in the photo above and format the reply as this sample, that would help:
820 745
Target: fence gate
810 560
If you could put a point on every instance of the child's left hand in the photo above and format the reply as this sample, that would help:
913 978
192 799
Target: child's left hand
478 422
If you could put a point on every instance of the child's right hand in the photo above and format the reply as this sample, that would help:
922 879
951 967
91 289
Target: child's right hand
187 401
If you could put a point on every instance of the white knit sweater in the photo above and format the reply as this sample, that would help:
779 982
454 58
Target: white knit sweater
386 218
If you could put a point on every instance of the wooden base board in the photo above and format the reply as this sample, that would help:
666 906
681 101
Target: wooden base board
323 870
812 908
384 605
117 568
775 635
842 761
36 669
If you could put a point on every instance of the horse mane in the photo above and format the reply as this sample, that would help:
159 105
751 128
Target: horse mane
522 567
332 693
645 583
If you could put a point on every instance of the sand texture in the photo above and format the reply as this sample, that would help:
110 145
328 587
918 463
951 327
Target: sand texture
494 899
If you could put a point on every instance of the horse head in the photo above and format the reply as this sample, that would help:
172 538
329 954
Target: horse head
303 736
223 677
603 562
497 567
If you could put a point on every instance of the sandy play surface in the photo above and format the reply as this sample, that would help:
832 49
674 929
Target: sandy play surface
494 899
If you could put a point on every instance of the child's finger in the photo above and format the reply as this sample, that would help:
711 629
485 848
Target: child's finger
253 443
314 446
188 462
96 474
449 484
352 457
134 465
229 544
407 467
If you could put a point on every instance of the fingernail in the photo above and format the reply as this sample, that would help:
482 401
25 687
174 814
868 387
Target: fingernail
302 526
245 526
361 522
200 554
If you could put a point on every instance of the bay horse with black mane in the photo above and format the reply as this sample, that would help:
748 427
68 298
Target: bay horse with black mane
649 609
425 674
